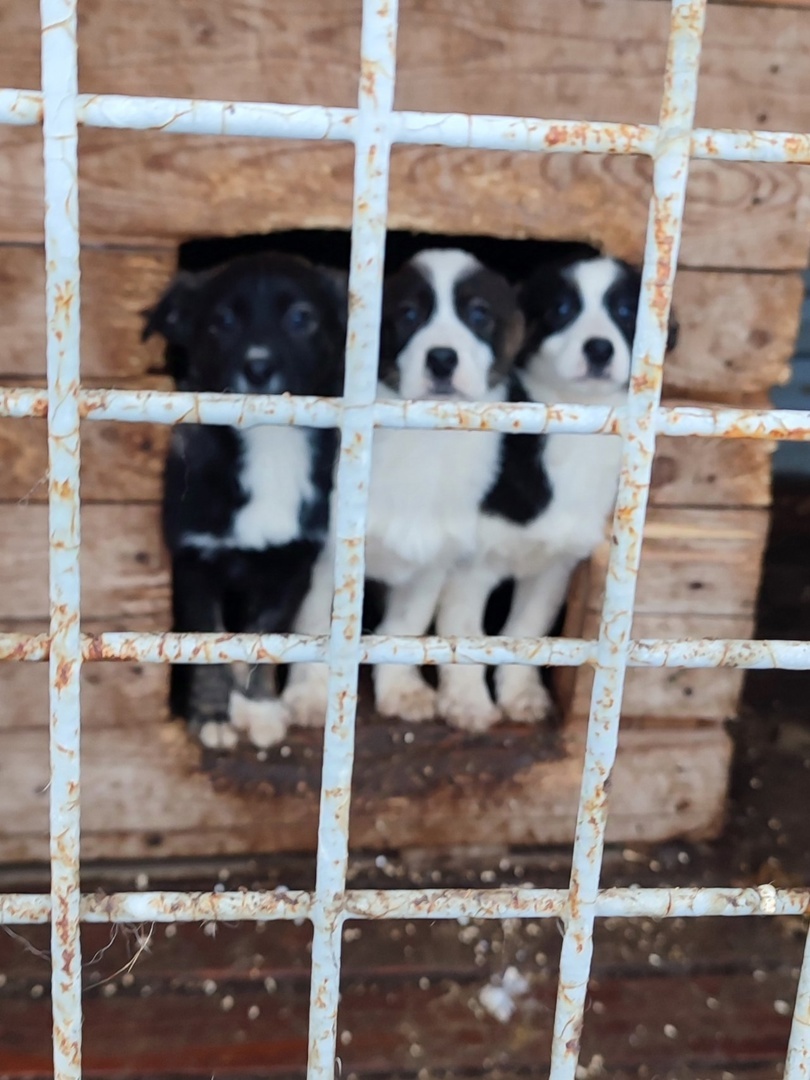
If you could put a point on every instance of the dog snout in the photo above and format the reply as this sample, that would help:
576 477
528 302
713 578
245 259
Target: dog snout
441 362
259 365
598 353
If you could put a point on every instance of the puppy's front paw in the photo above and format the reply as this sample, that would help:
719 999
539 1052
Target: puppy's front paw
218 735
472 712
306 697
522 696
402 693
264 722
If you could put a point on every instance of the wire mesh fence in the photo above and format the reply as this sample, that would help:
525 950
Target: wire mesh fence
373 127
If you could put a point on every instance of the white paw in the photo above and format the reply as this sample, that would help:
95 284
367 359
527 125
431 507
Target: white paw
468 711
218 735
404 695
306 698
522 696
265 722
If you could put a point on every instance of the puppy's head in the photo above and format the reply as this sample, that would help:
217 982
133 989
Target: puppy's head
264 324
581 322
450 327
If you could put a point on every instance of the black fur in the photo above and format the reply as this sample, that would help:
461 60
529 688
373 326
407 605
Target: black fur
296 314
521 489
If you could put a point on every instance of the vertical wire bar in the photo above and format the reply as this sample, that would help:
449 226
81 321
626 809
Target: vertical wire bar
670 173
369 214
60 138
797 1065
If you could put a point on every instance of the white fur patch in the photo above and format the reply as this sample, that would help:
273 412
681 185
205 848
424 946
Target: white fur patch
426 487
275 476
401 692
264 722
217 736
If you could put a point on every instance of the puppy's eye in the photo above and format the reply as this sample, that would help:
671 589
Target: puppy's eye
563 308
625 311
479 315
408 314
301 319
224 319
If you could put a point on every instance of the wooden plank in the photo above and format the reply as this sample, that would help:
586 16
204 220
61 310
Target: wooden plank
681 1029
693 562
550 59
579 59
125 573
113 694
116 286
158 188
661 696
710 473
123 463
146 791
245 954
737 331
730 324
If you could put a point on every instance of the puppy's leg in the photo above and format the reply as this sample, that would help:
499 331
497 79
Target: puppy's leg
306 692
399 689
464 699
536 603
200 692
254 706
273 586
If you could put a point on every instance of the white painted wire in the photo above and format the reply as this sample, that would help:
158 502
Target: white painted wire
373 127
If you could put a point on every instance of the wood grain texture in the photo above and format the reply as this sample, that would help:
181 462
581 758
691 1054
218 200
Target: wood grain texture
141 188
584 59
555 59
737 330
116 286
693 562
113 694
124 569
711 473
123 463
658 696
144 791
385 1025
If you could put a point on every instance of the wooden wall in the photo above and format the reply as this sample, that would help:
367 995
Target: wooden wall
738 295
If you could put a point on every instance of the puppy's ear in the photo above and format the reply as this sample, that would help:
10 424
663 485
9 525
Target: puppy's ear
172 315
673 332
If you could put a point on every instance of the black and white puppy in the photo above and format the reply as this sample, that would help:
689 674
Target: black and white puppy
580 325
450 329
245 512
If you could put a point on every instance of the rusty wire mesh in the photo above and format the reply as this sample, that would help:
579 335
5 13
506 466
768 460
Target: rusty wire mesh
373 128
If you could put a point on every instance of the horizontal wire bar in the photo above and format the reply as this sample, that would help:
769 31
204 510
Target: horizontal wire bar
498 903
453 130
20 107
166 648
251 410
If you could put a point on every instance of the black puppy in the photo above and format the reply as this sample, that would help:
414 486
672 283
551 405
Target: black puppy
245 512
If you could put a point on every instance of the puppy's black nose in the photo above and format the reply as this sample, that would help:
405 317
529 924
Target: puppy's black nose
258 372
598 352
442 362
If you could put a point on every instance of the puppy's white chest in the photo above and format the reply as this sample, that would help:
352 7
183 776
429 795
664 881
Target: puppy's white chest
425 491
276 478
583 471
